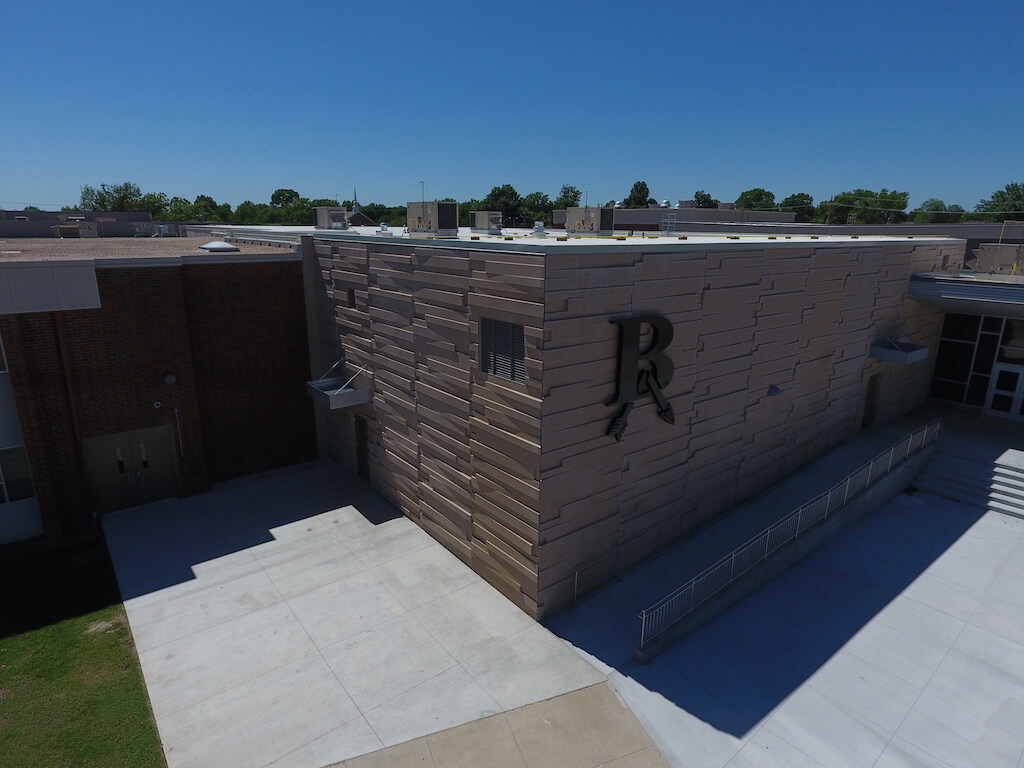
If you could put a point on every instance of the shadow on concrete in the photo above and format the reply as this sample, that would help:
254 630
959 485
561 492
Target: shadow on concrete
43 586
734 671
159 544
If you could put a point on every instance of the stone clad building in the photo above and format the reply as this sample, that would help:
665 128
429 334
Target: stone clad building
485 377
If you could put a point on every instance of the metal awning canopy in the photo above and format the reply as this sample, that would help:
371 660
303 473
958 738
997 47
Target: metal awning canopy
970 293
337 392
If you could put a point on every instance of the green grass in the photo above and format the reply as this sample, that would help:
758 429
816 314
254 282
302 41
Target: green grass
71 691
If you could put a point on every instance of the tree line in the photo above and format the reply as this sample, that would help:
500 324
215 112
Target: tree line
288 207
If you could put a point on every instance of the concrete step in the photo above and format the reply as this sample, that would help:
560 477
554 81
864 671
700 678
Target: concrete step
997 487
950 483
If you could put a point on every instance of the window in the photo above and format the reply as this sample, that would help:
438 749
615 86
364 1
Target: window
503 349
15 478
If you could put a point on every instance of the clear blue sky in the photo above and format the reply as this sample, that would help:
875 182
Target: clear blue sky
235 100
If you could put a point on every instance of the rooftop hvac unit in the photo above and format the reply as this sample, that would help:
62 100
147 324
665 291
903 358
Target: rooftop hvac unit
487 222
438 218
589 221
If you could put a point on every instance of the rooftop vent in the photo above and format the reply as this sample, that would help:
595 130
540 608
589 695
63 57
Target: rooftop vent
218 246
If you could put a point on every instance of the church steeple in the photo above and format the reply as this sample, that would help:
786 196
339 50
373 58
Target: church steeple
355 200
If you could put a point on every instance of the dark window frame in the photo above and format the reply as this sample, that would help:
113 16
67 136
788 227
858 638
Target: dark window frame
503 349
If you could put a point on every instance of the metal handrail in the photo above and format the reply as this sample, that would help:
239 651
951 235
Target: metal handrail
683 601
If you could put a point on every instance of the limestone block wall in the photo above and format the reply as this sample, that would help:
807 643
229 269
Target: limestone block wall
522 480
799 318
456 450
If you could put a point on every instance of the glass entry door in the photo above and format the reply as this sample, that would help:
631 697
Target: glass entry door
1006 391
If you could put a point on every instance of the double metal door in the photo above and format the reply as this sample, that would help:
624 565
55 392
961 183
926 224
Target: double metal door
131 468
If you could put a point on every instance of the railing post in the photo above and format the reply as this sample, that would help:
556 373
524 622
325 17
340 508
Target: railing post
766 537
828 504
846 493
799 515
732 567
891 452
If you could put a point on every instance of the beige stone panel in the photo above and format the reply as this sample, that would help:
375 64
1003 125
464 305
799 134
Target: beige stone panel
566 334
434 297
558 259
447 538
441 401
514 286
564 489
663 265
509 513
383 364
459 515
395 300
443 477
583 352
392 280
455 387
601 302
446 451
379 314
510 421
443 260
602 452
521 482
524 451
510 310
494 394
582 416
385 335
732 300
520 569
348 277
575 280
502 580
509 476
733 404
487 528
683 293
427 363
742 318
571 396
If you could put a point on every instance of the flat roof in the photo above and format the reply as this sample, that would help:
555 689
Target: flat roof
558 238
17 249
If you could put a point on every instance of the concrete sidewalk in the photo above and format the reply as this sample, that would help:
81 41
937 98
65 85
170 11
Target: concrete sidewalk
620 603
293 619
900 643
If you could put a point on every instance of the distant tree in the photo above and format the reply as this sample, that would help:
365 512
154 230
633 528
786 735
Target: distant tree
568 197
704 200
638 196
466 208
1005 203
283 197
506 200
757 199
29 208
376 212
180 209
536 206
205 208
124 197
801 204
250 213
935 211
862 206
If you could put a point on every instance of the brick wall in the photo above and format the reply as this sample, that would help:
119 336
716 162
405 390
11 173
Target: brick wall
234 338
247 326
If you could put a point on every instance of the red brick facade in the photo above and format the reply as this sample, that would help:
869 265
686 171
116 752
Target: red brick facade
231 335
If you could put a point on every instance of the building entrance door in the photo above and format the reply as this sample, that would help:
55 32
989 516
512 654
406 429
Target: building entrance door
1006 391
131 468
